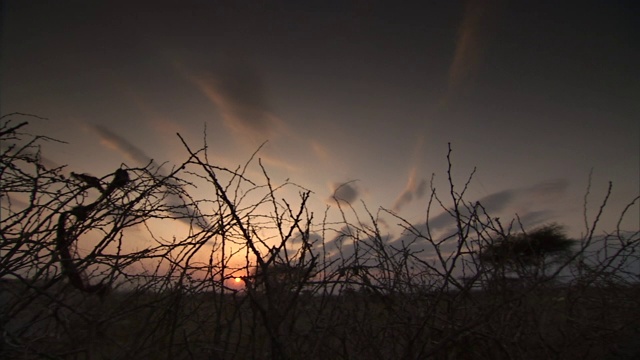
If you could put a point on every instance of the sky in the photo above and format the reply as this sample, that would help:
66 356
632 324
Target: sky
533 94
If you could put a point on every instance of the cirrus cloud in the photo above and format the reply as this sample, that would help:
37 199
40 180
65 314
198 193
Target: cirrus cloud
413 189
345 192
238 92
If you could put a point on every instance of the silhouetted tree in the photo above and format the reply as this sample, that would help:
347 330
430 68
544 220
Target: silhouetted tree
527 255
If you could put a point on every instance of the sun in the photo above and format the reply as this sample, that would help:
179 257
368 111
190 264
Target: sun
237 280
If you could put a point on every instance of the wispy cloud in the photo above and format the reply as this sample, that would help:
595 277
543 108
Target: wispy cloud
413 190
277 162
237 90
498 201
535 218
473 37
532 205
344 192
120 144
547 190
320 151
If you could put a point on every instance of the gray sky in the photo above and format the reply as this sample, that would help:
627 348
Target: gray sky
532 93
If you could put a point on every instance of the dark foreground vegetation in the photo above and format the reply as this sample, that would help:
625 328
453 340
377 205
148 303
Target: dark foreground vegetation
74 286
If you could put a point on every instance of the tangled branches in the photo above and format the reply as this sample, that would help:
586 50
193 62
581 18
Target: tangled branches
246 273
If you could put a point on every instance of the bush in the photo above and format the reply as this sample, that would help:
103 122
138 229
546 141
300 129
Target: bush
74 286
